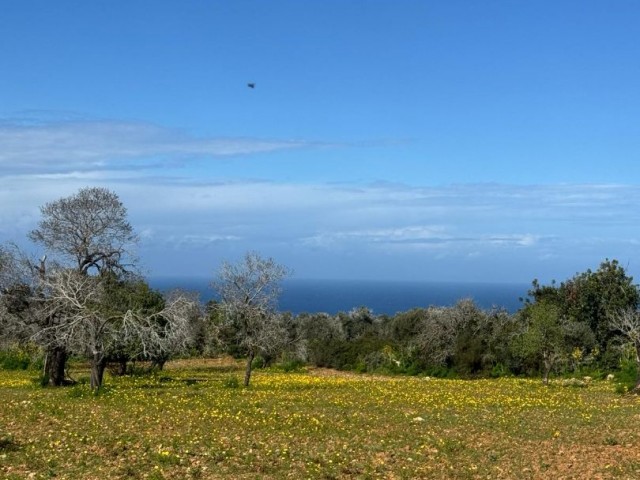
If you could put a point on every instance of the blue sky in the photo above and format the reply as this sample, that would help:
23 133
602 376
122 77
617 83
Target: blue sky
465 141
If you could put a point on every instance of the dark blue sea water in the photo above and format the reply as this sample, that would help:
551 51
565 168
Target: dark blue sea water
383 297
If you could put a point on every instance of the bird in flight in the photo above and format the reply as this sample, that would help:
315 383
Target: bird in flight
251 85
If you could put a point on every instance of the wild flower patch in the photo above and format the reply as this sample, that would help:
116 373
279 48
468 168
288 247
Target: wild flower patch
306 425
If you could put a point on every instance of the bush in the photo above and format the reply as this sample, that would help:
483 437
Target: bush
21 357
291 366
414 368
499 370
627 376
374 361
231 381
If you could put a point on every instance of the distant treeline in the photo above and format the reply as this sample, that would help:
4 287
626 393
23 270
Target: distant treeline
566 328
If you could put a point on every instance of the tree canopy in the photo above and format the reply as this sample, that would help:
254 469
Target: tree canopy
89 228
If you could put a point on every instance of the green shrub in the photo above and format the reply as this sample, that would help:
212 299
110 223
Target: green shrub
627 376
361 366
79 391
21 357
499 370
291 366
414 368
231 381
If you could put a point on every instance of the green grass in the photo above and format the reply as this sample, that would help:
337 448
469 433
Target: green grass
187 423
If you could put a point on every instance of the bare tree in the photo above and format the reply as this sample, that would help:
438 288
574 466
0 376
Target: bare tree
248 292
627 322
90 230
166 333
73 300
88 325
18 285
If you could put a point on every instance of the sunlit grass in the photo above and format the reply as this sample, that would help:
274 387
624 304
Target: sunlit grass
187 422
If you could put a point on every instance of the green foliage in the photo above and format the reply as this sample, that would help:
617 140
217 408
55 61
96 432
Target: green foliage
231 381
403 327
543 343
80 390
499 370
357 323
469 350
627 376
351 354
21 357
292 366
592 297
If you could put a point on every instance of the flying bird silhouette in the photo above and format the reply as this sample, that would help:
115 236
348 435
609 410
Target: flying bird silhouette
251 85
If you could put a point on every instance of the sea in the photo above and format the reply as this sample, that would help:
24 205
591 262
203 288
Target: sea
382 297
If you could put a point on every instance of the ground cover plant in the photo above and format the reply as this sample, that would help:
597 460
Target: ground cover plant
193 421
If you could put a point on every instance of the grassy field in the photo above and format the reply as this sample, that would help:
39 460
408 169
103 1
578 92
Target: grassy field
189 422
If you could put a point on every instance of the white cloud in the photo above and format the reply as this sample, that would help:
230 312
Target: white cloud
420 237
180 242
98 145
399 223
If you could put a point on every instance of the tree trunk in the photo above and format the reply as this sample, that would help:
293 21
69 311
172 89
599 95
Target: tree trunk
98 364
247 372
54 367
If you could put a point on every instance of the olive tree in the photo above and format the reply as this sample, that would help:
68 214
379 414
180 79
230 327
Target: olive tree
248 292
89 233
89 324
437 334
321 335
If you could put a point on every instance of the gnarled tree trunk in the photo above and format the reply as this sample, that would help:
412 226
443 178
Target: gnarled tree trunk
54 366
98 364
